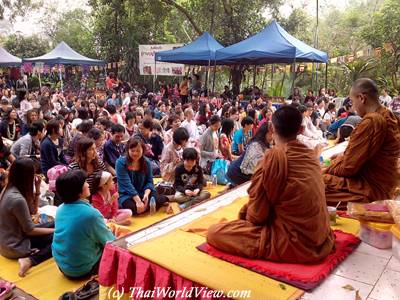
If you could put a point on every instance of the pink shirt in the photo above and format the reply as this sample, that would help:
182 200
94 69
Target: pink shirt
106 207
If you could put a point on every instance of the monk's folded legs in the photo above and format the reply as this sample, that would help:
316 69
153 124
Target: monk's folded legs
333 197
236 237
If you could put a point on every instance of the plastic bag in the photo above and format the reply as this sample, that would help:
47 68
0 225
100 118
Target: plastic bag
52 175
373 212
219 169
394 208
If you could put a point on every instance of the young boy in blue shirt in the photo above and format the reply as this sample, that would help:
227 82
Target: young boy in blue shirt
242 136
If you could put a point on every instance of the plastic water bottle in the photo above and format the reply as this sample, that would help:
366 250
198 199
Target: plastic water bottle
153 207
321 161
214 180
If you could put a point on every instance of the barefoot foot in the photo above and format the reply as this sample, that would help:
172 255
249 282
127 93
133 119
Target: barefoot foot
24 265
126 222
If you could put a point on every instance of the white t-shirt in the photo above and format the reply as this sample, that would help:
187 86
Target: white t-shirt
192 129
329 116
76 122
126 101
385 100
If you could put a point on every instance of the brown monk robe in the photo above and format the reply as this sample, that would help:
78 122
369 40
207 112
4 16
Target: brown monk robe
368 170
286 218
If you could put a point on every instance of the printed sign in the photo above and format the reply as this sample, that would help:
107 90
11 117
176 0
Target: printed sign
147 62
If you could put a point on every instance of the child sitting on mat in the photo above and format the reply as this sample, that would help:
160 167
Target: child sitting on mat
105 200
189 180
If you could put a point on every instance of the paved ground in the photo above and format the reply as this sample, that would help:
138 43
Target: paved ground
374 272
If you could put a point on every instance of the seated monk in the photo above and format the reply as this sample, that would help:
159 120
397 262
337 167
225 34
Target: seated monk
286 219
367 171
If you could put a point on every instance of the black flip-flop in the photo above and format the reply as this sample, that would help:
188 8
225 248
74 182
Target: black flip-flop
67 296
90 289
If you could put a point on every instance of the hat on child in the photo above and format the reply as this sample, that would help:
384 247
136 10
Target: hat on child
105 176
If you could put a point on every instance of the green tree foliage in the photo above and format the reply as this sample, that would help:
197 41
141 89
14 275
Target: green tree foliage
120 26
299 24
13 8
340 31
384 32
74 28
230 21
114 29
23 46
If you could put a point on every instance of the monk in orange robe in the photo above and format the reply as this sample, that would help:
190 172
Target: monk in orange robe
286 218
367 171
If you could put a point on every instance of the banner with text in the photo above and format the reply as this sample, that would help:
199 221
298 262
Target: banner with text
147 61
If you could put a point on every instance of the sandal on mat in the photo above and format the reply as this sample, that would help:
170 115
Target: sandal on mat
67 296
6 289
90 289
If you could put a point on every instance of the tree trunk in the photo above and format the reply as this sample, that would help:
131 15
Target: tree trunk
394 79
237 76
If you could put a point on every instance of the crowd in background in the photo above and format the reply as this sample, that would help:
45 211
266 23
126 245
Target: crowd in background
110 146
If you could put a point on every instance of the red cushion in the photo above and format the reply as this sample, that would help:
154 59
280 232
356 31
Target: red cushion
307 276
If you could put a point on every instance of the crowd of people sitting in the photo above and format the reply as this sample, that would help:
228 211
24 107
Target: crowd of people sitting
107 149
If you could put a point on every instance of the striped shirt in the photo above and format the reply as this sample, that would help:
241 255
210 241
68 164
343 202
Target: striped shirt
91 178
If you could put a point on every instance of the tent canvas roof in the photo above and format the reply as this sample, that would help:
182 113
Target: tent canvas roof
271 45
7 59
65 55
199 52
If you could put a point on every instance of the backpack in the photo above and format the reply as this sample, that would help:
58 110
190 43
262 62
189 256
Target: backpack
52 175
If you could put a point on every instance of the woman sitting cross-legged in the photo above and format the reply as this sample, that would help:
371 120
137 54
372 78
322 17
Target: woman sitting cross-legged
86 159
19 237
241 169
135 179
80 231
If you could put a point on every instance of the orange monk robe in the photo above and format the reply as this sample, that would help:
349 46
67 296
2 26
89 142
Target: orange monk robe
286 218
368 170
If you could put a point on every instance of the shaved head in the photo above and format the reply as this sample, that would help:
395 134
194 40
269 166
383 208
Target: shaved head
286 122
366 86
364 95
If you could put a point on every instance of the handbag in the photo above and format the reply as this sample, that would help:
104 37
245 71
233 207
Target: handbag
164 188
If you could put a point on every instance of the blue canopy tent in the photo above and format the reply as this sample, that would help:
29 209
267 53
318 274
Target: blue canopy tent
200 52
63 54
271 45
8 60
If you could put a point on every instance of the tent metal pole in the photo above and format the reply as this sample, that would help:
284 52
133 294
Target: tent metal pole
230 78
294 76
312 76
254 75
264 78
60 76
206 83
40 81
155 75
215 70
272 75
326 75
